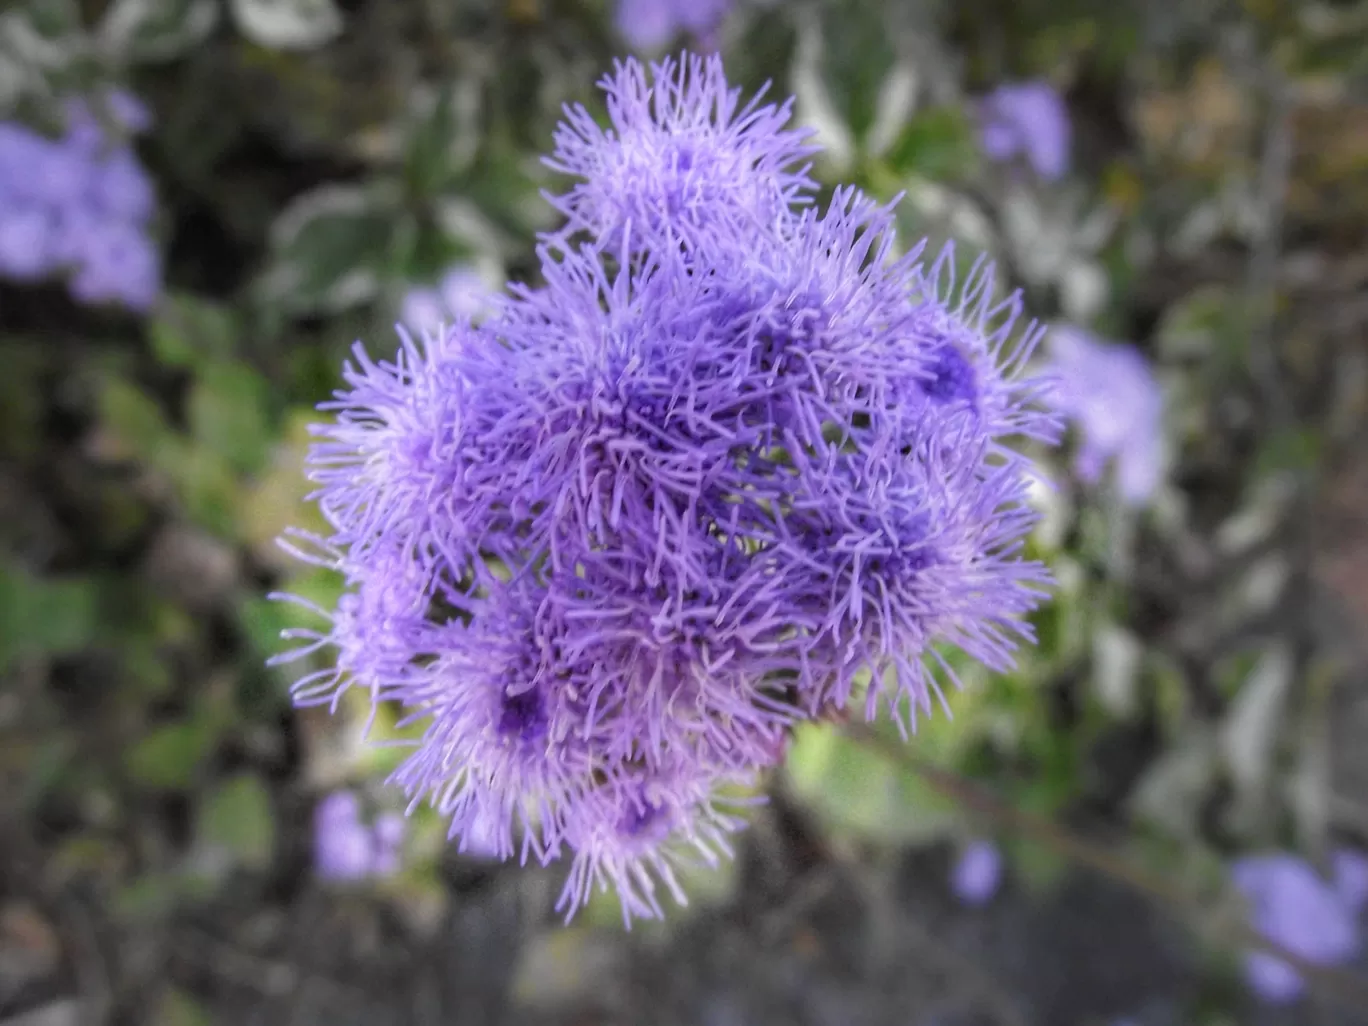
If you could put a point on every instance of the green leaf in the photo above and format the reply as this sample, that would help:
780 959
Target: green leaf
188 331
237 818
45 617
858 52
329 250
170 756
134 418
227 413
938 143
859 791
178 1008
287 24
157 30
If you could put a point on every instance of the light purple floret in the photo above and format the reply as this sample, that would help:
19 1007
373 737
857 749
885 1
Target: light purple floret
348 849
1109 392
650 24
977 873
735 463
80 205
1293 907
461 295
1027 120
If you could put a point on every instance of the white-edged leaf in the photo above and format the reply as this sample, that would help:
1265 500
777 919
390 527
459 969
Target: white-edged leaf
896 101
1250 729
1116 667
329 249
1083 289
815 106
156 30
1170 794
287 24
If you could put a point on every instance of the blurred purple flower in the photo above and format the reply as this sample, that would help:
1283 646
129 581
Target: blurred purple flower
1297 910
26 242
74 204
346 848
977 873
1027 119
1350 869
1109 392
117 263
461 294
342 845
650 24
122 188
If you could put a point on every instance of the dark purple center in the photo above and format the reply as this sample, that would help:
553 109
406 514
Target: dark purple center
638 818
523 716
951 376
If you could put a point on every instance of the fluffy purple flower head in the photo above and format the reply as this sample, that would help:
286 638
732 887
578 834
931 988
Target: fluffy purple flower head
1027 119
682 156
1294 908
977 873
650 24
1110 393
717 474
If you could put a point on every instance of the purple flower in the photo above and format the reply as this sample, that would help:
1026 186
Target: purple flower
75 205
118 108
610 544
342 845
1294 908
117 263
26 242
977 873
1351 877
1111 395
1027 119
682 156
346 848
461 295
650 24
122 189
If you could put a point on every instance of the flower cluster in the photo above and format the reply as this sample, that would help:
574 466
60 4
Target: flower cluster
734 464
461 294
1027 119
346 848
80 205
650 24
1295 908
1110 393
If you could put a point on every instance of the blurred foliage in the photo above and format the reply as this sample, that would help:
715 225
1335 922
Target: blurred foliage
317 159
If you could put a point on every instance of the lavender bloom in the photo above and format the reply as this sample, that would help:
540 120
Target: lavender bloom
1295 909
347 849
736 463
26 244
78 205
342 847
1110 393
117 263
650 24
461 295
683 156
977 873
1027 119
1350 870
